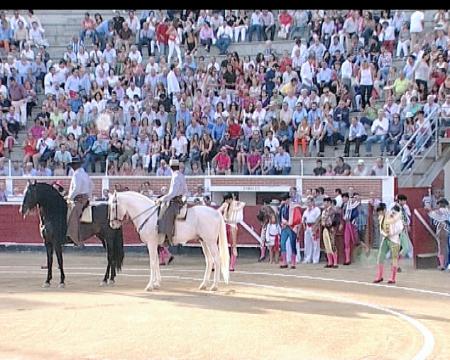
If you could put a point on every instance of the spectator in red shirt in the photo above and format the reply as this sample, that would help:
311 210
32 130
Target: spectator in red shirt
285 21
162 38
223 162
285 60
233 128
253 163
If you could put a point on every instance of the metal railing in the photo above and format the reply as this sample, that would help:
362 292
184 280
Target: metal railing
428 228
423 150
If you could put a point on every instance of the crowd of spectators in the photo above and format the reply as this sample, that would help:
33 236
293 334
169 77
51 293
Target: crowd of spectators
237 114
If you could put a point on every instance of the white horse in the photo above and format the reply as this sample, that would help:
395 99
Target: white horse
202 222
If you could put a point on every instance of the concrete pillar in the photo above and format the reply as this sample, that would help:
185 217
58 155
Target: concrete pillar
447 180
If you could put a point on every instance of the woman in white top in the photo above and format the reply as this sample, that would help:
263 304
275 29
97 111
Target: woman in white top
233 213
365 78
112 79
422 74
317 134
247 63
82 57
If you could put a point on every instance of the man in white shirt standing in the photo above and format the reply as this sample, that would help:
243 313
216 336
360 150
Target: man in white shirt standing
173 85
48 82
311 219
80 192
417 26
379 130
307 73
347 71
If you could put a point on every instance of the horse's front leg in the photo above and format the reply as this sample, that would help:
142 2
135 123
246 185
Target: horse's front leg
59 256
49 248
152 252
157 277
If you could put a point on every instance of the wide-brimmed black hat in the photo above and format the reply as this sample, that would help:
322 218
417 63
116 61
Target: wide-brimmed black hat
75 160
443 201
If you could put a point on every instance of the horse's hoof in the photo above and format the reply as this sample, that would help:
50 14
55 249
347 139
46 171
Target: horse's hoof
62 285
202 287
45 285
103 283
149 288
156 286
111 282
213 288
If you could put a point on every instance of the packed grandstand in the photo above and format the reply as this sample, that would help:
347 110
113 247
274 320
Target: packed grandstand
175 84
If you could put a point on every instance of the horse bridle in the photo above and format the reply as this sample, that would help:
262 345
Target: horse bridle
116 210
115 202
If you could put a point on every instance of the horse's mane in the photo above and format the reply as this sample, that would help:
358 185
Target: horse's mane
136 194
50 198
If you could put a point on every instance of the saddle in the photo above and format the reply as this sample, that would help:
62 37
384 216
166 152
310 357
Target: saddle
86 216
183 209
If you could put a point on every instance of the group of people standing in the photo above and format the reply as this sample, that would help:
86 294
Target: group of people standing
283 223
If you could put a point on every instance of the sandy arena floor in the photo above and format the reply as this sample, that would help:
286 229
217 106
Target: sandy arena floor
264 313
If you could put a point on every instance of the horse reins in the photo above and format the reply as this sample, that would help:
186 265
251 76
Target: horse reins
155 207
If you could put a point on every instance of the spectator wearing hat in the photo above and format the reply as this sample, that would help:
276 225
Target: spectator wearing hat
361 169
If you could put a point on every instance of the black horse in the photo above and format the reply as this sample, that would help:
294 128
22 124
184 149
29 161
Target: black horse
53 228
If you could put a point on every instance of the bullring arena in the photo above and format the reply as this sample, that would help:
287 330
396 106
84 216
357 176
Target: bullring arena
307 313
324 131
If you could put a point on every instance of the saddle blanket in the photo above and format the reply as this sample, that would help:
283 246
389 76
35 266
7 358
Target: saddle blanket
86 216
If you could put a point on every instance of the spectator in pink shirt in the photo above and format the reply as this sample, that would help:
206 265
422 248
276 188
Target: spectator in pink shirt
206 36
223 162
37 129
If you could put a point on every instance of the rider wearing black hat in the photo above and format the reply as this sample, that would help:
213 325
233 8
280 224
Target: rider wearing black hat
80 192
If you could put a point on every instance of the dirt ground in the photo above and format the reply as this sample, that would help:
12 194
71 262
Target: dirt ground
264 313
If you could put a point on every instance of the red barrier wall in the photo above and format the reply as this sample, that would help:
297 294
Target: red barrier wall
415 196
422 240
15 229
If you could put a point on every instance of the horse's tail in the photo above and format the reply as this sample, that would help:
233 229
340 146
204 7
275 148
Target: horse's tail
118 253
223 251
